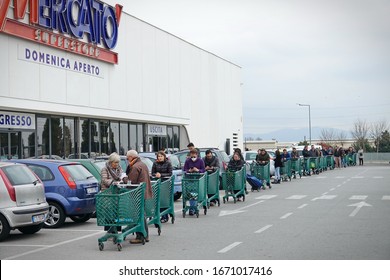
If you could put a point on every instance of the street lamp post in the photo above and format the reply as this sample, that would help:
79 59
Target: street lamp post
308 105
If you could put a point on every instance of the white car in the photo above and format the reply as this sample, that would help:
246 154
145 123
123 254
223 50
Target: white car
250 156
23 203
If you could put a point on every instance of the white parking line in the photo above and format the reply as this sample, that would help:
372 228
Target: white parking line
332 189
302 206
228 248
386 197
286 215
296 196
324 197
378 177
263 229
358 197
266 196
52 246
358 177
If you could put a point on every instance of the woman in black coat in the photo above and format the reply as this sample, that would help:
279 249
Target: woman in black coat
278 165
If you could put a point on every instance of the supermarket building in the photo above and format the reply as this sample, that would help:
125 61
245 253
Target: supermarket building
83 78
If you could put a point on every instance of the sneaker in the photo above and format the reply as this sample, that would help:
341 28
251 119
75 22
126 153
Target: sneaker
212 203
164 219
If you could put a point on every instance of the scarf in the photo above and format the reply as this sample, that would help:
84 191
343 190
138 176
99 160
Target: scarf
115 173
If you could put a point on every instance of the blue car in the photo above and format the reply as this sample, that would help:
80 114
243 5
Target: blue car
70 190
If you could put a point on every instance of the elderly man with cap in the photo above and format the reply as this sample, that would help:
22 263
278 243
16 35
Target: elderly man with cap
138 172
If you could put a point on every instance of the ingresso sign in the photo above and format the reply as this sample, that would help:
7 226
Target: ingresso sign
17 120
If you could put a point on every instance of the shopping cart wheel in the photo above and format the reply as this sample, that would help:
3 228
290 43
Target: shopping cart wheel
224 200
184 214
197 214
205 210
159 230
172 219
101 246
235 200
119 246
243 198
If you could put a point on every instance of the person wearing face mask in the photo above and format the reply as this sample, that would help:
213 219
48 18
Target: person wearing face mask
194 164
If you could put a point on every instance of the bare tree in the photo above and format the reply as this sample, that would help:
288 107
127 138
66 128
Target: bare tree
342 137
327 135
377 130
360 132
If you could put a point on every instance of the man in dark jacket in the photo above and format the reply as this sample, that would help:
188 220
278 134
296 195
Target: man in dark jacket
211 165
210 161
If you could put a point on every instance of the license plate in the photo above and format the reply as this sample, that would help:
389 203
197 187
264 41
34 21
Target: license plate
38 218
92 190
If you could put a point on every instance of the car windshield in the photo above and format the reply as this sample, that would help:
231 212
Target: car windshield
100 164
174 161
77 171
148 163
250 156
19 175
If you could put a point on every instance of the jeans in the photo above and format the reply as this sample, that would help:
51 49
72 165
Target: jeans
277 173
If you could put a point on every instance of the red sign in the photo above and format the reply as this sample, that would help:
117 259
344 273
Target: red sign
54 24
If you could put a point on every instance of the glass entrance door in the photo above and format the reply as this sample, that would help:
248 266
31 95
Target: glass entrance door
157 143
10 143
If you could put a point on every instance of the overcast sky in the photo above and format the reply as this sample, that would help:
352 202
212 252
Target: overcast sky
331 54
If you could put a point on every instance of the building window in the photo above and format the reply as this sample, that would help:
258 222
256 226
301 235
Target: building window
43 140
124 138
114 137
85 136
56 125
68 137
28 144
104 137
140 138
133 136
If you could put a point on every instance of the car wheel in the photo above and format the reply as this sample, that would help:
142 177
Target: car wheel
56 216
176 196
4 228
31 229
81 218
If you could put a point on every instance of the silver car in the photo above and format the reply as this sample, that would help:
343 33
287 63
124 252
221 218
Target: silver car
23 203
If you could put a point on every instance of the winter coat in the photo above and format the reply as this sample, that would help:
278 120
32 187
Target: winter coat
164 168
139 173
235 165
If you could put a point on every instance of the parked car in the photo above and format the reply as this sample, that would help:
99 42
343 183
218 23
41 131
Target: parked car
49 157
93 165
176 170
23 203
70 190
250 156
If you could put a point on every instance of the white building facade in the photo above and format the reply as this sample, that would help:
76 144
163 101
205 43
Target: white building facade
85 78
